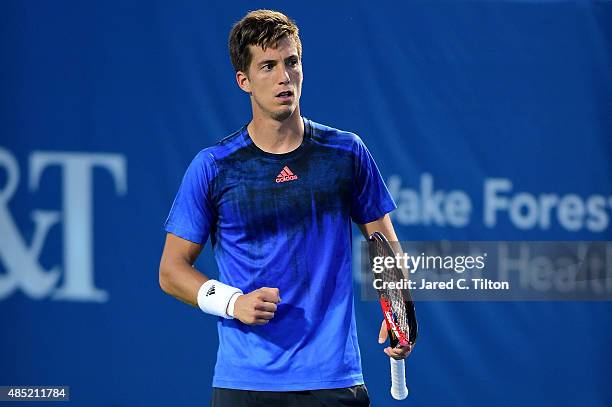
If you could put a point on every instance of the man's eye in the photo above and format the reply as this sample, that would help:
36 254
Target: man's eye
268 67
293 62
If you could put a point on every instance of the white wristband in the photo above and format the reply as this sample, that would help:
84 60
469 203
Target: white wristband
215 298
230 306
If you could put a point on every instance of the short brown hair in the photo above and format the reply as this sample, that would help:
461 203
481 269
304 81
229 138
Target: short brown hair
262 28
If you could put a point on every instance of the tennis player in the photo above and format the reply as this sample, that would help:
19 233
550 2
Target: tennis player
276 198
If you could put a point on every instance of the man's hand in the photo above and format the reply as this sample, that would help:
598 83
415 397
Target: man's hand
257 307
401 352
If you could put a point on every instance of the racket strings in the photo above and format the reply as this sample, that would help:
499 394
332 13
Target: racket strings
394 296
399 300
398 305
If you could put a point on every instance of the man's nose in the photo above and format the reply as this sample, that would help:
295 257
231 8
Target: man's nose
284 75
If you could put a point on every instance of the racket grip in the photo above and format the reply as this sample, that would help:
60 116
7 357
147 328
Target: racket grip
399 391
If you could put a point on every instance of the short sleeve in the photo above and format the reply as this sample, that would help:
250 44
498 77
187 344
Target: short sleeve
371 199
193 213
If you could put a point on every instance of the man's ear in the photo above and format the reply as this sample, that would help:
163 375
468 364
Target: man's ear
243 81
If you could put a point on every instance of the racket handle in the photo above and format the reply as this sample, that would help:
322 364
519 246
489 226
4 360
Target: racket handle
399 391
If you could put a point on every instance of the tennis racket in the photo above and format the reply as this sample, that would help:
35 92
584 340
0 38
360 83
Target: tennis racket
398 311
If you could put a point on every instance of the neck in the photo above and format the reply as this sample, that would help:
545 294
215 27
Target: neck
277 137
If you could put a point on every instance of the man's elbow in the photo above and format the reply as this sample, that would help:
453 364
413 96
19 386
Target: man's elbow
164 276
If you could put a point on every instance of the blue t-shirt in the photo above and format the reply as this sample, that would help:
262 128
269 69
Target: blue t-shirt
284 220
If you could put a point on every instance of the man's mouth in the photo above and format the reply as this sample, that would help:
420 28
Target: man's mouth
284 94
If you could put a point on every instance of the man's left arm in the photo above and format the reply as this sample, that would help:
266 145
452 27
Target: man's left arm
385 226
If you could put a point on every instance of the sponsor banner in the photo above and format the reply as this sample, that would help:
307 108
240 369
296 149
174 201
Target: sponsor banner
73 279
500 201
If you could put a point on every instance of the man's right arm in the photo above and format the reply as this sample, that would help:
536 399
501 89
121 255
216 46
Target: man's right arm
179 278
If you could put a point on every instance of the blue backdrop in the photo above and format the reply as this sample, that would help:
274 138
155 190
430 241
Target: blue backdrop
503 105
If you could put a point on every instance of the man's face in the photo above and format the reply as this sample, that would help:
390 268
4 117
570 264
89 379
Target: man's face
274 79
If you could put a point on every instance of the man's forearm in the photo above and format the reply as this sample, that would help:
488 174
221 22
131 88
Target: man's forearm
181 281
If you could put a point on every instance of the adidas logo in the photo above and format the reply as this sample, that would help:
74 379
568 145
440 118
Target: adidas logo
286 175
210 291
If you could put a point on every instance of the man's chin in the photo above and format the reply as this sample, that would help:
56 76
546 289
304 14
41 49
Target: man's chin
283 114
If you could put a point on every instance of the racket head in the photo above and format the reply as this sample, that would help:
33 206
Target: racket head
396 304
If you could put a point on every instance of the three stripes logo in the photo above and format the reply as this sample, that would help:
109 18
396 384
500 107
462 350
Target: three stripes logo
211 290
286 175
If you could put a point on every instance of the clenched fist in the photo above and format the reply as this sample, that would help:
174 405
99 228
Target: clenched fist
257 307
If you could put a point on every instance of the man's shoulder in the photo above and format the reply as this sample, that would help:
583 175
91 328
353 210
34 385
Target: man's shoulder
333 137
221 149
228 145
